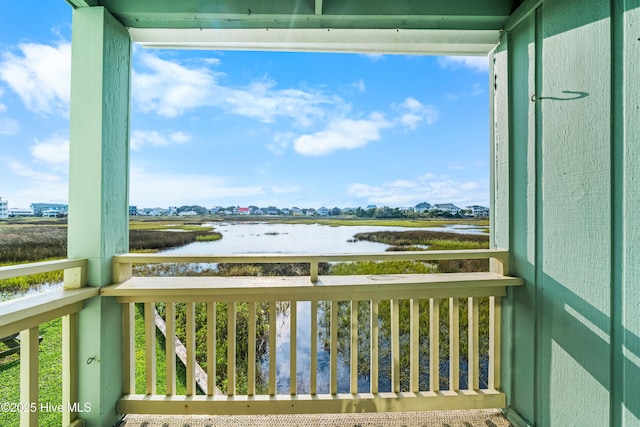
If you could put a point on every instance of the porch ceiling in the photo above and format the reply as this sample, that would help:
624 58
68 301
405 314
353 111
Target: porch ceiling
375 26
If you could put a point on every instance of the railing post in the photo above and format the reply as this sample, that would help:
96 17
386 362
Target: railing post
121 271
314 271
75 277
499 264
69 367
29 377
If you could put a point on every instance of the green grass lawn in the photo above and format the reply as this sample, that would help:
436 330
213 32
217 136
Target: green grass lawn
50 378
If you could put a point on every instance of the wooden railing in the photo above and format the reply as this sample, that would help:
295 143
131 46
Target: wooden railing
24 315
372 290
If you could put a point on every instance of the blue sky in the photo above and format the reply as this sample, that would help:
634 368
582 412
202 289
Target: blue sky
252 128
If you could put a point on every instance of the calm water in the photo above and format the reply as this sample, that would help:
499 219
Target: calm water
244 238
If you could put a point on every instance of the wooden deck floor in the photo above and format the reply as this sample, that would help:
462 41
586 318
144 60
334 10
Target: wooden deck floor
466 418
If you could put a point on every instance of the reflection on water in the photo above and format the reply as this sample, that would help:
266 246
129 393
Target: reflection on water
246 238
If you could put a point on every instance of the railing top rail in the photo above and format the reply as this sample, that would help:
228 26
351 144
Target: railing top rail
22 313
305 258
285 288
11 271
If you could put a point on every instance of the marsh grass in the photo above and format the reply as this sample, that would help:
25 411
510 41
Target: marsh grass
211 237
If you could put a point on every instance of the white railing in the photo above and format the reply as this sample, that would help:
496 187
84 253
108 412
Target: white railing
25 315
371 290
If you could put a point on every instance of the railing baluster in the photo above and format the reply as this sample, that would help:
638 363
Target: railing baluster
170 347
251 351
128 348
293 328
29 376
434 344
395 346
69 366
231 348
314 348
414 346
454 344
191 348
474 377
354 348
211 348
150 347
333 364
494 343
313 267
373 374
272 348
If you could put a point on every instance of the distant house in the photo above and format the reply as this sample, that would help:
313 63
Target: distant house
407 209
244 211
285 211
348 211
371 207
423 207
271 210
133 210
296 211
4 208
446 207
324 211
478 211
52 213
39 208
21 212
311 212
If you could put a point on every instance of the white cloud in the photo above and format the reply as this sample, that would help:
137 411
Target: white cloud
40 75
9 126
53 150
426 188
359 86
281 142
3 108
476 64
413 113
342 134
175 189
26 172
170 89
139 138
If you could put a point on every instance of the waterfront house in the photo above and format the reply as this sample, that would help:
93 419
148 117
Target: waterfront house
4 208
423 207
40 208
565 137
323 211
446 207
478 211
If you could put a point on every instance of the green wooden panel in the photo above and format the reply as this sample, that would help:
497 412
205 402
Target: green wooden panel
522 62
575 217
98 197
628 298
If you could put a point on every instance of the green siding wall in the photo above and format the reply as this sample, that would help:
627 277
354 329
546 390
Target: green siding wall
574 203
98 197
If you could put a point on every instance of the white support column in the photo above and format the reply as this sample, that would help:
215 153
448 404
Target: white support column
98 197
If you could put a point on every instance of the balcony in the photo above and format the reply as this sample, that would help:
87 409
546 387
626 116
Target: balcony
423 385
